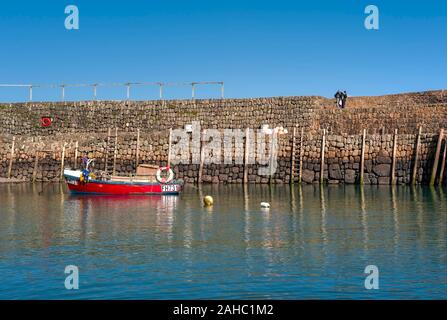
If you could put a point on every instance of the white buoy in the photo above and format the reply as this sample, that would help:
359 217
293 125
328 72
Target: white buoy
265 205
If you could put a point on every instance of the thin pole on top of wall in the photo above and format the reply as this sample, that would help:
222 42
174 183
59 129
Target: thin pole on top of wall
30 93
128 91
95 86
193 90
222 90
161 93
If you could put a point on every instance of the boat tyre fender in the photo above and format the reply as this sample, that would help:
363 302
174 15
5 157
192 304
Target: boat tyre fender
164 179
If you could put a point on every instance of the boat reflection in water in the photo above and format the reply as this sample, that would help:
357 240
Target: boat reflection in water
108 213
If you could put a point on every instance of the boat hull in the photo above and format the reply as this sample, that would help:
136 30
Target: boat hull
123 188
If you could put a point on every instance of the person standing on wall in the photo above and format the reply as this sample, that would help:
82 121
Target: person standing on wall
341 98
338 96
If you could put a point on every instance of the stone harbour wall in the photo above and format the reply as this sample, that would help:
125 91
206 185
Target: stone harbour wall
341 164
128 116
383 114
88 123
153 149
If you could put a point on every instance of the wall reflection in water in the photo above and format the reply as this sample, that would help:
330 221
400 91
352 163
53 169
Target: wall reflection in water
313 242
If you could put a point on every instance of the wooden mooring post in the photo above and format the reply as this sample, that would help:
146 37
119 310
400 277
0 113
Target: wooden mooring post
106 167
416 157
202 158
36 164
323 147
169 147
292 158
63 161
12 157
75 162
246 154
362 158
137 152
301 156
393 163
115 152
273 156
441 173
436 161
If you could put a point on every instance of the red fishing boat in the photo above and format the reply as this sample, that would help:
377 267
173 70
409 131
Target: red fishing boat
148 180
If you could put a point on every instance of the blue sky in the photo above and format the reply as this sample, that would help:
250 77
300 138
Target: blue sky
259 48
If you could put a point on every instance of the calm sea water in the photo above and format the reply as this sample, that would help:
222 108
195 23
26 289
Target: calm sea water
313 243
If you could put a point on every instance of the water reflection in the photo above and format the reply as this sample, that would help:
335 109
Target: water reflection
313 242
395 218
364 220
323 220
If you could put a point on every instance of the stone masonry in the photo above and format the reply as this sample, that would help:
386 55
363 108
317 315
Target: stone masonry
88 123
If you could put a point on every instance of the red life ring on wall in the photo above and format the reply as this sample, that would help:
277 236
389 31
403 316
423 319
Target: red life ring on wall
164 179
46 121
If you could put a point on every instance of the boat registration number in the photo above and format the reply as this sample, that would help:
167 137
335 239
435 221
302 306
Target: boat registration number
169 188
73 182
